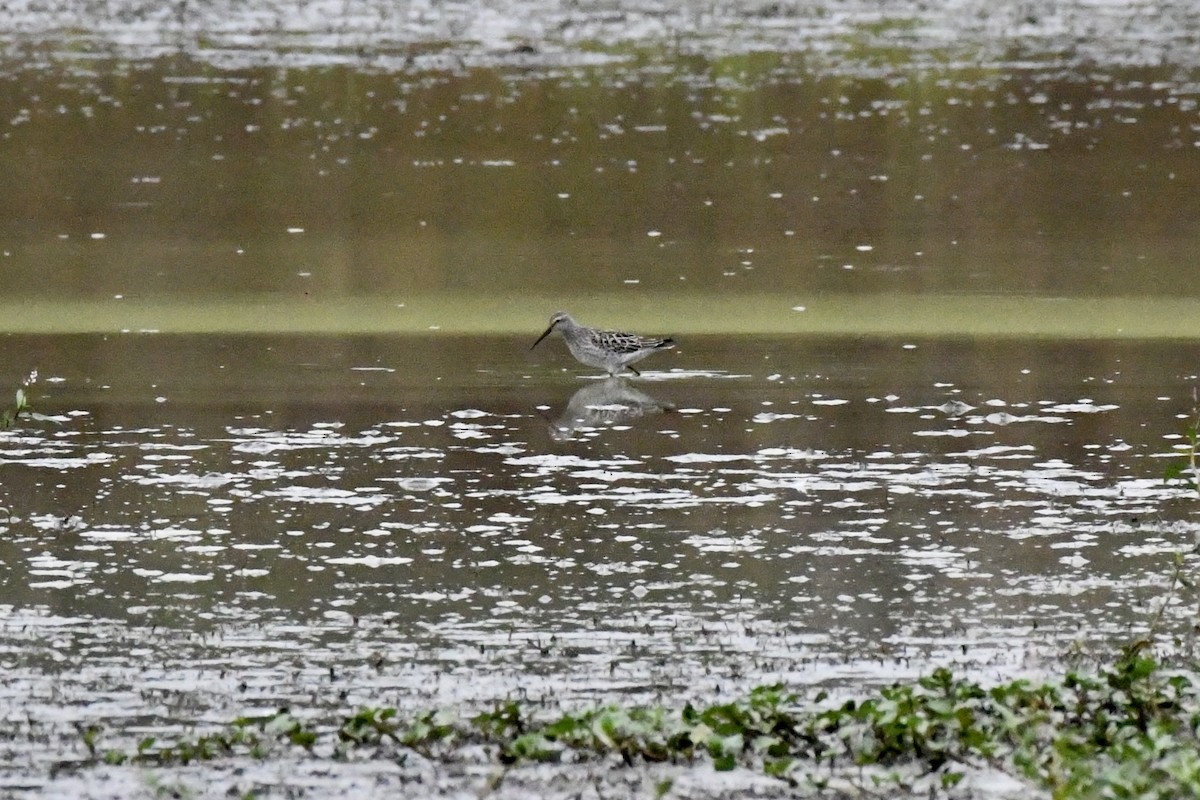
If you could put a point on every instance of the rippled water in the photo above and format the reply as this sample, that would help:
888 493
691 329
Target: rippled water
737 175
322 522
930 272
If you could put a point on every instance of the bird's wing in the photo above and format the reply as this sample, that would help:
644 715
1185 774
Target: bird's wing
618 342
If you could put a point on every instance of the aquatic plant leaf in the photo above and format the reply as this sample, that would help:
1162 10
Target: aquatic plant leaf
724 763
700 734
281 724
534 747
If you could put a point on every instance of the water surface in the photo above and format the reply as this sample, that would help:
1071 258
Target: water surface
249 522
930 275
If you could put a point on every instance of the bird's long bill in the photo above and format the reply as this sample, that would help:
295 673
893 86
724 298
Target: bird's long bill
543 336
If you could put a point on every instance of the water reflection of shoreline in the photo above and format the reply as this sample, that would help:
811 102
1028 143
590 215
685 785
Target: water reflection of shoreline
611 401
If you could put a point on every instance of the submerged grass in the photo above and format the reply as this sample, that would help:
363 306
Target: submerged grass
677 313
1130 730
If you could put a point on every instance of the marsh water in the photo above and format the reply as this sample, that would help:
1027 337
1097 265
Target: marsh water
936 322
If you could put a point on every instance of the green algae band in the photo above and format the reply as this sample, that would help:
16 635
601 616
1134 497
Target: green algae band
923 315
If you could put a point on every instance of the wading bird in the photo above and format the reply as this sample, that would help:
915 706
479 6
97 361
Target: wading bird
610 351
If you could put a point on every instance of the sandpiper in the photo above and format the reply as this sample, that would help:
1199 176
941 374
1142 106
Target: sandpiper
607 350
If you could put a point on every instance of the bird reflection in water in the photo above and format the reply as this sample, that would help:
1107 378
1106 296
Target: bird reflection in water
612 401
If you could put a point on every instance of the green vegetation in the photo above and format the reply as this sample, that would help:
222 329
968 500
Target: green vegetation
1128 731
20 403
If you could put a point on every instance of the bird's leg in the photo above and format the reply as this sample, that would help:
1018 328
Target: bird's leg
634 371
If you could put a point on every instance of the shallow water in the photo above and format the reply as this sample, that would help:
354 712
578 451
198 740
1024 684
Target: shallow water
251 522
930 273
325 187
